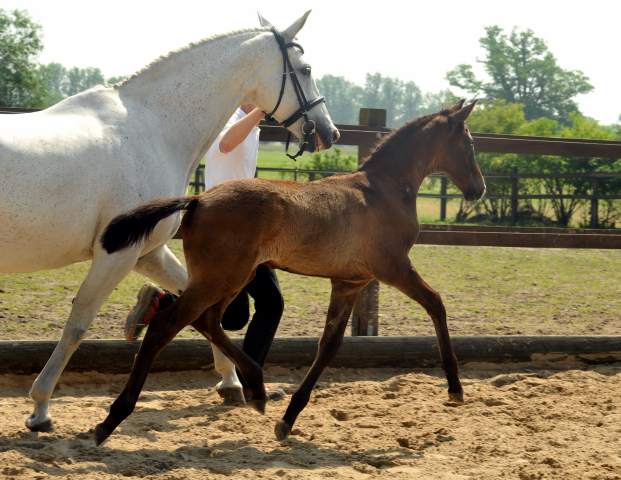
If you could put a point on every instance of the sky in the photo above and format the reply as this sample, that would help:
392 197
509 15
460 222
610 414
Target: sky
412 40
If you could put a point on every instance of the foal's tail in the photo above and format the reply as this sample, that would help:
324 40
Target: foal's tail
131 227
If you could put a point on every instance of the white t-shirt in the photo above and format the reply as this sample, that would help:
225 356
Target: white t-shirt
239 163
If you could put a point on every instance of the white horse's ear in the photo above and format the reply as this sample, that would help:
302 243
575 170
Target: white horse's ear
263 21
290 33
462 114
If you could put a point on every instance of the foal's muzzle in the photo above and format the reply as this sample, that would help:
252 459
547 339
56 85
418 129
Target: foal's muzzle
475 191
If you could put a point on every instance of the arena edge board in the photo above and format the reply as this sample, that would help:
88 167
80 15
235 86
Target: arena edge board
117 356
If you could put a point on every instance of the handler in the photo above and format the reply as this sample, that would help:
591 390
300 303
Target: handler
232 156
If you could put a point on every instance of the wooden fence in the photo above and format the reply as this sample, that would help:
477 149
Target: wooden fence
372 128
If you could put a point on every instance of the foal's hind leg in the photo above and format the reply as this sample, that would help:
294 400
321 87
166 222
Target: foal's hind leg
163 327
342 301
411 283
161 266
105 273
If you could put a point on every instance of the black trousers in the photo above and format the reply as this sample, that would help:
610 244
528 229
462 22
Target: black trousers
269 306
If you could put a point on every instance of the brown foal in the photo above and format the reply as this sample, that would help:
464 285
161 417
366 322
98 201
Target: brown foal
350 228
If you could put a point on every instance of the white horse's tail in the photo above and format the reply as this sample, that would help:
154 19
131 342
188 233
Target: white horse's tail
134 226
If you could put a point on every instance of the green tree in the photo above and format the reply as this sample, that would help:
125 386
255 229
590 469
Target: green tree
330 160
80 79
411 103
113 80
566 208
342 98
20 44
53 75
508 118
522 70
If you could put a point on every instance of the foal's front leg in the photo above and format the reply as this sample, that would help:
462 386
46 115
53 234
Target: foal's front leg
411 283
209 325
342 301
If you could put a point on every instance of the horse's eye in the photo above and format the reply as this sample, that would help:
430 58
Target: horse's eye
306 70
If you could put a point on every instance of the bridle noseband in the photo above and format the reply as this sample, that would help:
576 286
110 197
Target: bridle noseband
308 128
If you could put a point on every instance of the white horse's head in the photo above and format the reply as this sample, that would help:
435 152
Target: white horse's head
307 104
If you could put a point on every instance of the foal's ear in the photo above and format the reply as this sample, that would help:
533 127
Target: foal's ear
458 105
462 114
263 21
290 33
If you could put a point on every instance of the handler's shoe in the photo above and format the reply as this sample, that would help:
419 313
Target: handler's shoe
273 394
148 302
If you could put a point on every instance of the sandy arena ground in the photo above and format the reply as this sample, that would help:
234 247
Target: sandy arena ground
526 421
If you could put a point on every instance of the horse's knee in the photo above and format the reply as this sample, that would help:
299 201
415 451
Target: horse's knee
73 336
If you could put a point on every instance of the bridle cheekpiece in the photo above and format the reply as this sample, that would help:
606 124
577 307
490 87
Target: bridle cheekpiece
308 128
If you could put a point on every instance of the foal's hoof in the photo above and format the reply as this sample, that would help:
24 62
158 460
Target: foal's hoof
282 430
101 434
232 394
457 397
258 405
33 425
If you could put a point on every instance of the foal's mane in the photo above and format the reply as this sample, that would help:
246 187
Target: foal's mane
162 59
406 136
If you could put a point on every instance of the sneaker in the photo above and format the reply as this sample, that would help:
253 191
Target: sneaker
273 394
148 302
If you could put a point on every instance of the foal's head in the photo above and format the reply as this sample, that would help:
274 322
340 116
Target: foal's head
455 152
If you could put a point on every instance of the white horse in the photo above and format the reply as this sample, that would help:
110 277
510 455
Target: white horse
68 170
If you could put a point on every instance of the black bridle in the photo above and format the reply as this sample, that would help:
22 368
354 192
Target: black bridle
308 128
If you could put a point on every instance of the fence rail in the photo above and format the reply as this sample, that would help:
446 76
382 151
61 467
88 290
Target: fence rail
365 314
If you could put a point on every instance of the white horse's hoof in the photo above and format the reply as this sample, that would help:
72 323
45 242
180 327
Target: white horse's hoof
232 394
40 424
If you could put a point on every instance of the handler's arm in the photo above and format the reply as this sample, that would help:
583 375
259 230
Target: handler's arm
238 132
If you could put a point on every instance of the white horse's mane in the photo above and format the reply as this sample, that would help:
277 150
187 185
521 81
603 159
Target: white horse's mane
162 58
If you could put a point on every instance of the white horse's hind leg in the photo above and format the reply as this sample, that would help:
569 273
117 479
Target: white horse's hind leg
161 266
106 272
229 388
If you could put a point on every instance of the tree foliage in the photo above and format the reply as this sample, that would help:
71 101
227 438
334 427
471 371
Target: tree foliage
506 118
330 160
20 44
522 70
403 101
342 98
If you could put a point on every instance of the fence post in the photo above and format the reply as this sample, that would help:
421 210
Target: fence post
514 195
443 184
199 176
595 202
365 315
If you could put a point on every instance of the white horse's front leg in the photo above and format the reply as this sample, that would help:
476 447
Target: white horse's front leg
106 272
161 266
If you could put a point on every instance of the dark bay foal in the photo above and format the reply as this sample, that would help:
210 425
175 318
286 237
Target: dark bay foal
350 228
